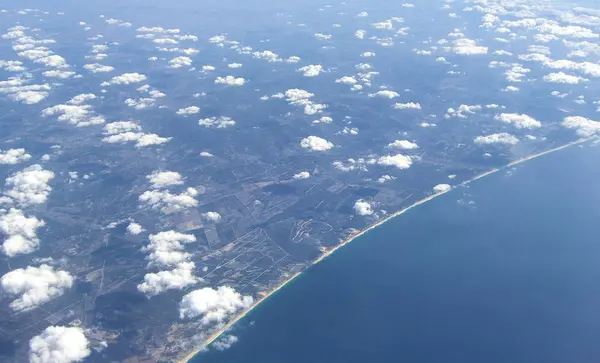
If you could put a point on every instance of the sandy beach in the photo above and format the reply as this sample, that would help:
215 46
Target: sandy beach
237 318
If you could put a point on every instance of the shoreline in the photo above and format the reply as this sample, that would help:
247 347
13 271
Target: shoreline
351 238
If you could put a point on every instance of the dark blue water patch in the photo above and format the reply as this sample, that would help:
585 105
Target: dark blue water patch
512 278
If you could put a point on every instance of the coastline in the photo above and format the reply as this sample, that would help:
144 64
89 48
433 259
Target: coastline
349 239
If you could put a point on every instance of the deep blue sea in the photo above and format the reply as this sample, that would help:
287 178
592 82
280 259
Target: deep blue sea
513 277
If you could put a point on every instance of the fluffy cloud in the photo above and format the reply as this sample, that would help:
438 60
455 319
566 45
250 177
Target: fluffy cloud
230 81
13 156
312 70
217 122
167 202
403 144
363 208
121 126
346 80
28 97
441 188
212 216
315 143
81 98
360 34
167 248
234 65
161 179
126 78
561 77
35 285
29 186
192 110
584 126
409 105
520 121
399 161
176 279
225 342
135 228
78 115
385 94
98 68
322 36
302 175
21 232
141 139
267 55
468 47
59 344
213 306
499 138
179 62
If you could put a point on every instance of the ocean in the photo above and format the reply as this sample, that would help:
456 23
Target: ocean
506 269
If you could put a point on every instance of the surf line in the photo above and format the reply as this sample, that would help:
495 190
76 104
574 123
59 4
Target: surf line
351 238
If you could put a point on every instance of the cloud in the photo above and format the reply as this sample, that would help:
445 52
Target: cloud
135 228
140 103
167 202
163 41
583 126
499 138
399 161
29 186
166 248
21 232
234 65
384 178
363 208
312 70
28 97
192 110
520 121
141 139
346 80
322 36
126 78
561 77
441 188
212 216
121 126
13 156
59 344
323 120
78 115
81 98
315 143
406 106
462 111
217 122
468 47
58 74
230 81
225 342
12 66
302 175
161 179
98 68
403 144
206 154
179 62
294 95
385 94
267 55
213 305
35 285
178 278
566 31
360 34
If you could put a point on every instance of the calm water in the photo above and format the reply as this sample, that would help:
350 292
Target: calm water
514 278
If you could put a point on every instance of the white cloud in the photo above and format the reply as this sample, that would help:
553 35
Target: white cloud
29 186
168 202
78 115
561 77
212 216
385 94
312 70
12 66
510 89
135 228
217 122
267 55
234 65
383 25
584 126
346 80
98 68
295 94
384 178
360 34
59 344
21 232
81 98
462 111
126 78
192 110
140 103
399 161
179 62
176 279
225 342
403 144
567 31
315 143
409 105
206 154
520 121
13 156
322 36
499 138
230 81
302 175
35 286
363 208
163 41
161 179
367 54
121 126
213 306
441 188
323 120
58 74
141 139
468 47
28 97
167 248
